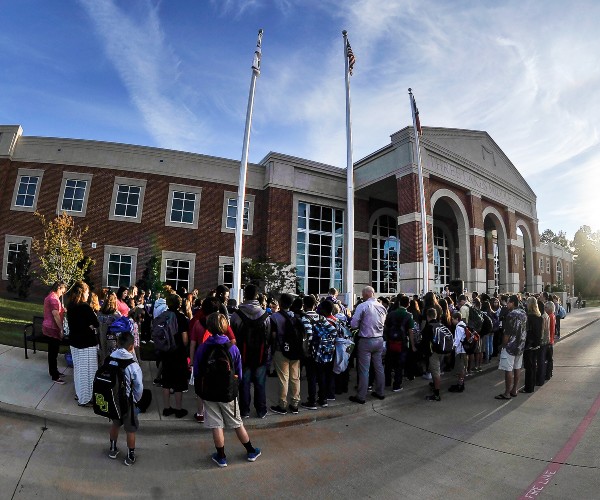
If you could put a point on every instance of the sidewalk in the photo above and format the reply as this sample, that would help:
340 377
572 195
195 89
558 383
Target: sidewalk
26 389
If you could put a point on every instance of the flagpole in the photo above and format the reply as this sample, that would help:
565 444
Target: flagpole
413 107
241 198
349 267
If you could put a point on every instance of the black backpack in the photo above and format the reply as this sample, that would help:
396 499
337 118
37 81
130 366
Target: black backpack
109 395
216 379
397 330
251 340
290 342
443 340
475 319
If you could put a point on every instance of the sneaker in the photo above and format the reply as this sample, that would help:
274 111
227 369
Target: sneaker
114 453
375 395
262 415
253 456
370 388
323 403
181 413
479 369
308 405
356 399
294 409
427 376
129 460
168 411
157 381
331 398
456 388
278 409
245 415
59 381
397 389
221 462
200 418
432 397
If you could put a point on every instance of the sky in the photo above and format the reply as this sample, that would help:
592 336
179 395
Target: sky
176 74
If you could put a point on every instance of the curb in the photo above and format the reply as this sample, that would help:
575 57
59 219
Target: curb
271 422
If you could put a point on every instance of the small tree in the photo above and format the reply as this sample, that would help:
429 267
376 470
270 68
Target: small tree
19 276
151 276
272 276
87 263
60 251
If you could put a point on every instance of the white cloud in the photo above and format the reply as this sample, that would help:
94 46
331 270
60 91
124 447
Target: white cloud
149 70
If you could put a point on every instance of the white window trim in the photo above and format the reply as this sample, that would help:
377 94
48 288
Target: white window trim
186 189
8 239
108 249
250 198
75 176
32 173
168 255
126 181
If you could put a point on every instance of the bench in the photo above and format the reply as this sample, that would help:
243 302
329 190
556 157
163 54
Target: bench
35 334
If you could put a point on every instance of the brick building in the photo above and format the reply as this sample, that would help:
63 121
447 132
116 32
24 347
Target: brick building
141 201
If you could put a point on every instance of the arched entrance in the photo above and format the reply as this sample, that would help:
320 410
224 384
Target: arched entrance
385 251
496 251
451 250
528 284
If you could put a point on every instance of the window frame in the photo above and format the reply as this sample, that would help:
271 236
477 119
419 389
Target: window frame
74 176
27 172
127 181
8 240
120 250
251 199
169 255
196 190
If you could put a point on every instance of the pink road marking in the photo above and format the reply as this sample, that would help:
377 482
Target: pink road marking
535 488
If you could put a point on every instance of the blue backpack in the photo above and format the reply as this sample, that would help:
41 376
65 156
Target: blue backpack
324 335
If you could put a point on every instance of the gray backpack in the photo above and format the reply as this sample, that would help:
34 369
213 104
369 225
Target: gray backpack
164 329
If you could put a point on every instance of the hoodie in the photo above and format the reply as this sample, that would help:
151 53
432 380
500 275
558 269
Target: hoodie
133 374
218 339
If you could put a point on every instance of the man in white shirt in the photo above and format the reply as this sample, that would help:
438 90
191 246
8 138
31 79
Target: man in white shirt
369 318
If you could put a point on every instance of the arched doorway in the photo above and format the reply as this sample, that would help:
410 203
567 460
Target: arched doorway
496 251
385 252
527 258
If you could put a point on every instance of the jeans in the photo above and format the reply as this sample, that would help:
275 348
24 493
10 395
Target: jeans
488 346
394 364
370 349
258 377
326 381
53 347
530 359
541 365
311 379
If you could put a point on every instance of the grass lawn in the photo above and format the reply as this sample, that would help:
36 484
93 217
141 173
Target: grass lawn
14 315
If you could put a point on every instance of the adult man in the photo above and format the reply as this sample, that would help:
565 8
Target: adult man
513 344
369 318
252 329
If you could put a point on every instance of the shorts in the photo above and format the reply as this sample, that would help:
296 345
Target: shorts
222 415
126 422
479 347
435 364
508 362
460 363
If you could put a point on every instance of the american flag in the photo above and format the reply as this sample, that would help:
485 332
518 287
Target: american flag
417 121
351 58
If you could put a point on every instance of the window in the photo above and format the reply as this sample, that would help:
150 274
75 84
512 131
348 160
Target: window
75 188
567 268
227 275
496 266
120 265
385 254
547 265
12 245
559 272
183 207
26 190
177 269
524 265
127 200
441 258
319 248
230 213
541 265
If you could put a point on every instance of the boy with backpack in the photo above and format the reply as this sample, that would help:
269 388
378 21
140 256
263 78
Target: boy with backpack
398 332
133 388
460 365
287 333
437 342
217 373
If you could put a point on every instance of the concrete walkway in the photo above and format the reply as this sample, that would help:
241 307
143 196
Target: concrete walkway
26 389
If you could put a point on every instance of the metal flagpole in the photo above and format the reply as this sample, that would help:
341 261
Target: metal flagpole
349 267
241 199
413 107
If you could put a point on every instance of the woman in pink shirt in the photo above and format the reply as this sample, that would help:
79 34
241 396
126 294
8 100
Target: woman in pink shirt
122 307
52 327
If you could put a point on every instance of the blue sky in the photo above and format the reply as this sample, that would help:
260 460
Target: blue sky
176 74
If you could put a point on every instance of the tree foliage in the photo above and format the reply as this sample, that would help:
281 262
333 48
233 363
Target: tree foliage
587 261
19 274
269 276
151 276
560 239
60 251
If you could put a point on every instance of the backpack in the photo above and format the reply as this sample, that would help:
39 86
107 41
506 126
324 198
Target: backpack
443 341
216 380
344 345
469 343
164 329
291 341
251 340
475 319
109 395
324 335
487 326
307 338
561 313
114 330
398 332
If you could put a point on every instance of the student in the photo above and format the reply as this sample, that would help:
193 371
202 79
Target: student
133 382
220 415
461 357
435 359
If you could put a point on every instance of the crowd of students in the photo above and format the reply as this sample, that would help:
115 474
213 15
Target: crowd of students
388 341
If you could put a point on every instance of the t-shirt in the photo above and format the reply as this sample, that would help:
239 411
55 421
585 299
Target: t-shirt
49 326
515 326
122 308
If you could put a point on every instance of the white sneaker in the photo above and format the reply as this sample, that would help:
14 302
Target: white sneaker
427 376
